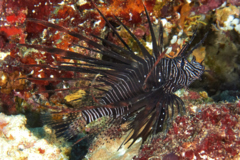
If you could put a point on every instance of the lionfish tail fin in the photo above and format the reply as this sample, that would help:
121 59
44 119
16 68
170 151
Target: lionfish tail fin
65 124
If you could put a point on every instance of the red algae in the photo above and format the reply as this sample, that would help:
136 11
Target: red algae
8 104
16 11
76 16
2 124
10 31
42 151
170 156
192 95
3 40
211 133
208 5
128 10
20 17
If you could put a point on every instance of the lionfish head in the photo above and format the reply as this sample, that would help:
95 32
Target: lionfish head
191 69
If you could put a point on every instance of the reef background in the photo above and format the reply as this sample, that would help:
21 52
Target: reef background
210 128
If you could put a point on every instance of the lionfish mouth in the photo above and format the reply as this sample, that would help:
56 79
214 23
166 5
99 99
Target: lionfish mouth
139 89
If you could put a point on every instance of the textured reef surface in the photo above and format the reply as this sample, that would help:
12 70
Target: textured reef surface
19 142
208 131
210 128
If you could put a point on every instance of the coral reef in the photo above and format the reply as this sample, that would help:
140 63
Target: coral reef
106 148
18 142
178 19
209 130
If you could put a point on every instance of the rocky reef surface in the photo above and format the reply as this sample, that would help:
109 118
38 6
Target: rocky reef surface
208 130
19 142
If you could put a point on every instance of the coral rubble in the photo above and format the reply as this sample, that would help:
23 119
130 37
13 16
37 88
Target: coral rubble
211 132
18 142
208 130
178 18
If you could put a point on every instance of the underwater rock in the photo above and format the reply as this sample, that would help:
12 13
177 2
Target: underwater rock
107 148
220 52
18 142
226 95
210 133
226 20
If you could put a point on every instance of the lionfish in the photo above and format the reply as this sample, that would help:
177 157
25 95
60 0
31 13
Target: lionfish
135 89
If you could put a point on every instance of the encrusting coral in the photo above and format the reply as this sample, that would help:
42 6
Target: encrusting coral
18 142
208 131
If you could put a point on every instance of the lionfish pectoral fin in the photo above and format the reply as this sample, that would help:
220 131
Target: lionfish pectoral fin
139 128
151 119
160 120
166 108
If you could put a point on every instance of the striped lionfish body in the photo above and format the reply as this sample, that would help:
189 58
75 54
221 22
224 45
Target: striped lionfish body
136 89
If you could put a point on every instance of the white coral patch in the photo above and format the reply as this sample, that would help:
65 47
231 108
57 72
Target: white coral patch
180 33
231 23
174 39
235 21
237 28
228 24
180 41
97 23
149 45
156 21
18 142
164 21
169 50
3 55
